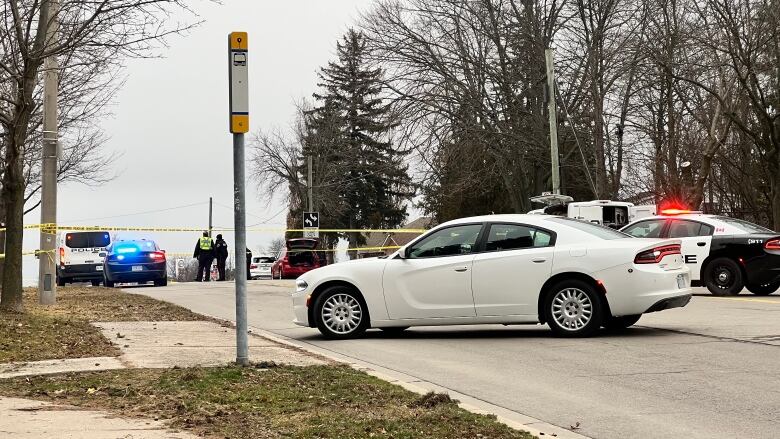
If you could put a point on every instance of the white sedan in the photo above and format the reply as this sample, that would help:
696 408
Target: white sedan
508 269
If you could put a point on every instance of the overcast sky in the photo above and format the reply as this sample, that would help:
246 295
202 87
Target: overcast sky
170 122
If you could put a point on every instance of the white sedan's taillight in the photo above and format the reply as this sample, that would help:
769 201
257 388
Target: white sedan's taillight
655 255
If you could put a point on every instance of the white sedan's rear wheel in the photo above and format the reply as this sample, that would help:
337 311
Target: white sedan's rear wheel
340 313
573 309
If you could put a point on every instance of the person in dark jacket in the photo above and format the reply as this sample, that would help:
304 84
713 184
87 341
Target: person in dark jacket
221 252
204 253
248 263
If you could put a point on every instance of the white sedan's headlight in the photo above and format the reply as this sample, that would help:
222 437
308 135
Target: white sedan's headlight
301 285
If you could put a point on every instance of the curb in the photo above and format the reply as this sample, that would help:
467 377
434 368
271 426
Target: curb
510 418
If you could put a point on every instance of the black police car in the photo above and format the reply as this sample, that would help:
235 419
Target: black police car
724 254
135 261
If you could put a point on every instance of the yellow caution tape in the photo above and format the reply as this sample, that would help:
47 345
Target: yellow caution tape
49 228
391 247
189 255
31 253
34 226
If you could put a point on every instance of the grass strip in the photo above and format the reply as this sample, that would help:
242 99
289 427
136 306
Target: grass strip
63 330
279 402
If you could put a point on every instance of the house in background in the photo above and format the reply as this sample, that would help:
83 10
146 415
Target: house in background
393 240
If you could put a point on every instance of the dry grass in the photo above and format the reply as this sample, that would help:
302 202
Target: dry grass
96 304
281 402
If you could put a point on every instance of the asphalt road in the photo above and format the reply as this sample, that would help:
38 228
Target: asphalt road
709 370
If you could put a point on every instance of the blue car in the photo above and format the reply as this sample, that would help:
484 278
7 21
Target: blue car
135 261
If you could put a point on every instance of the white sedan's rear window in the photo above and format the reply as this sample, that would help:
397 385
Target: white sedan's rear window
590 228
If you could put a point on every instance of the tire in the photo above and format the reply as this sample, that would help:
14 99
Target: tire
572 308
61 282
351 314
95 283
161 282
108 283
763 290
619 323
394 329
723 277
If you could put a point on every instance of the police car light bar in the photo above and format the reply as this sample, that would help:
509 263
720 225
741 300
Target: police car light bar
678 211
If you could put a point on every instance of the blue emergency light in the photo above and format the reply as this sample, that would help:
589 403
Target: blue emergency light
128 249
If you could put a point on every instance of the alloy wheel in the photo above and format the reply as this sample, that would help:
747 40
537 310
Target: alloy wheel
342 313
572 309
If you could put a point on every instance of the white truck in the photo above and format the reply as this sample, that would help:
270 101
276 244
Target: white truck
615 214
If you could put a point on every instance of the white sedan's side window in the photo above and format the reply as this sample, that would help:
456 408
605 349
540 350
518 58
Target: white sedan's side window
451 241
515 236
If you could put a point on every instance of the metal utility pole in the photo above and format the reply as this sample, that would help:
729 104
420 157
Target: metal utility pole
47 286
211 208
239 125
551 110
309 184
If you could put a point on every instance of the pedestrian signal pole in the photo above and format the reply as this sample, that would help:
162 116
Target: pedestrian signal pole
239 125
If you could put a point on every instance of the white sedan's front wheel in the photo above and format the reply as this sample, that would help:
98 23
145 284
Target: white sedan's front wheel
573 309
340 313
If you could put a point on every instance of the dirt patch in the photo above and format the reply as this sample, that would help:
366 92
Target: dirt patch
291 402
37 336
96 304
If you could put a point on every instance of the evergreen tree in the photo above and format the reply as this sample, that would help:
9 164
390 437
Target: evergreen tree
373 182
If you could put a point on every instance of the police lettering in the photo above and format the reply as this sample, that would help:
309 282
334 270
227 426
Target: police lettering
690 259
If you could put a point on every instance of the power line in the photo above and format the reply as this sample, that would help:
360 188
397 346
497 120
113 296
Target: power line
138 213
577 140
270 218
265 220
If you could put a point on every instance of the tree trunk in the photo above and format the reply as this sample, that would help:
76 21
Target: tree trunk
2 240
353 238
13 194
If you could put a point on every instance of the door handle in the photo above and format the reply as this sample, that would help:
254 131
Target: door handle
461 269
538 260
701 244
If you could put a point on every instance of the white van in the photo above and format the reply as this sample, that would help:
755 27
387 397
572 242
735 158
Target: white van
80 257
615 214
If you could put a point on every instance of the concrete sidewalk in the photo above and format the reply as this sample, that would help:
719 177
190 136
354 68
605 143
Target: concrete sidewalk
188 344
24 419
143 345
163 345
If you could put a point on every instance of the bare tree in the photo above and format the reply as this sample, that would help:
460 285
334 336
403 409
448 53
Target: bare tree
276 245
92 35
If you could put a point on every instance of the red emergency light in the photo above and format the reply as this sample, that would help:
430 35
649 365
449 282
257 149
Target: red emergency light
675 211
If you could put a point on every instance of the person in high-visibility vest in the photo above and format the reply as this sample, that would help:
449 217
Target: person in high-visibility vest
204 253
